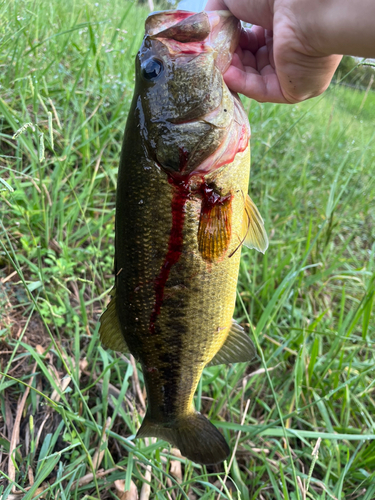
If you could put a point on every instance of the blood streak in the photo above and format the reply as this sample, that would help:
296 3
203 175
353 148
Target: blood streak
180 196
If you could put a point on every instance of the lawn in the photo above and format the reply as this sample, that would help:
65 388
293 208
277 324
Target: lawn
300 419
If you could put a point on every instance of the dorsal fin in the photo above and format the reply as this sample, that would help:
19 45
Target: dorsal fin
237 348
110 330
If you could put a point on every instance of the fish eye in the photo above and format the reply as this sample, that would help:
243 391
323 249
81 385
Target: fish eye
152 69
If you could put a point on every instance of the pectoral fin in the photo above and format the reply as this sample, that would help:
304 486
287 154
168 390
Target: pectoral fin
110 330
237 348
253 232
215 228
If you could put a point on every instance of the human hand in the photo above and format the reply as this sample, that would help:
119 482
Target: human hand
279 59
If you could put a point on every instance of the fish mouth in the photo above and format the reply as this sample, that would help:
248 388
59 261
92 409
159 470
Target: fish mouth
184 32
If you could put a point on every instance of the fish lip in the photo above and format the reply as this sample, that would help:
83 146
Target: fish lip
172 15
169 14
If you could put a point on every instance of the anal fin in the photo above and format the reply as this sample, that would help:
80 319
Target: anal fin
110 330
253 233
237 348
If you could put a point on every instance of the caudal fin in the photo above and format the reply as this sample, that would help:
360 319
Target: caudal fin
194 435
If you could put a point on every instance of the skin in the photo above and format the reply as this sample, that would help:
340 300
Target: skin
291 52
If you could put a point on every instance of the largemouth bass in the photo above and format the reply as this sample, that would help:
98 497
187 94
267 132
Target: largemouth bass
182 214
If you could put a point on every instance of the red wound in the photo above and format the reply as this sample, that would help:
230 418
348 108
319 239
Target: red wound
211 198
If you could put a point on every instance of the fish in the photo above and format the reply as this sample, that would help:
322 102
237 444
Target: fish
182 215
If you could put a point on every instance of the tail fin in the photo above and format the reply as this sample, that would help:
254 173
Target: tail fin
195 436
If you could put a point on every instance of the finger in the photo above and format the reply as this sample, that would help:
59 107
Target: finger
249 40
259 33
262 58
262 88
269 45
239 52
267 70
244 60
237 62
248 59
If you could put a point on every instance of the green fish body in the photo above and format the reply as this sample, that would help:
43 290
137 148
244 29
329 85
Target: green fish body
182 214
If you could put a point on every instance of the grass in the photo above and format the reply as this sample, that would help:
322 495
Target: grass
67 68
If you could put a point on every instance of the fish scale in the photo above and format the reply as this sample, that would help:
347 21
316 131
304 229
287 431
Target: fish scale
180 224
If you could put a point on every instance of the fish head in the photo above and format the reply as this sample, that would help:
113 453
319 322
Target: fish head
185 109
